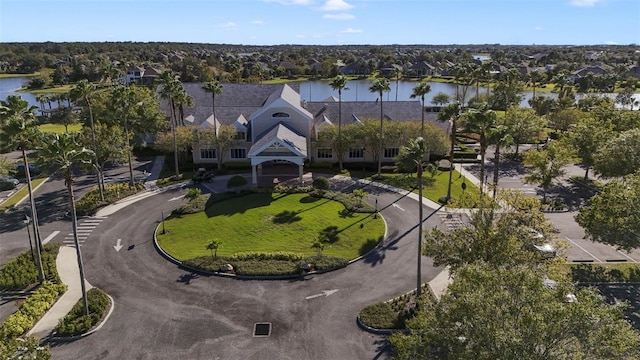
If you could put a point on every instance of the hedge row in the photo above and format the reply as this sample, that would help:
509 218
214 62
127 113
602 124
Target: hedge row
21 272
76 323
91 202
31 310
350 202
267 264
394 314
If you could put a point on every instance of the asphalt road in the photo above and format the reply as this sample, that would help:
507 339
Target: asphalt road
511 176
164 312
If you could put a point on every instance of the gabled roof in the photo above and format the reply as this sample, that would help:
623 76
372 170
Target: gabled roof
281 135
286 97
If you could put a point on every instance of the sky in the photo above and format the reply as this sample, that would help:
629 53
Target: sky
324 22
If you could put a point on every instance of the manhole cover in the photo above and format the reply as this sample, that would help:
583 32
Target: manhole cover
262 329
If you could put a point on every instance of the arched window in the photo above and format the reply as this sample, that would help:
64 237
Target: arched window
280 114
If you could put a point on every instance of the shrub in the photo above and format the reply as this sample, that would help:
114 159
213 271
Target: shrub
91 202
394 314
193 206
22 272
321 183
31 310
239 165
321 165
236 181
379 316
76 323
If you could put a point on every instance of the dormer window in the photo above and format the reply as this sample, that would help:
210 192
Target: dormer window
280 115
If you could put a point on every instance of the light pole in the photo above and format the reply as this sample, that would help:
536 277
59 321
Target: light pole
26 221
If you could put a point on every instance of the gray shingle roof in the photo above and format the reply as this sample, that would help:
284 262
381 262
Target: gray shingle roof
285 135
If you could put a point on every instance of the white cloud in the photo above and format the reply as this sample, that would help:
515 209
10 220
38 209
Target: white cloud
336 5
291 2
351 31
230 25
538 28
341 16
610 42
300 36
584 3
257 22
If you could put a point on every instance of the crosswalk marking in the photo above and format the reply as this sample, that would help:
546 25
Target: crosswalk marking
84 229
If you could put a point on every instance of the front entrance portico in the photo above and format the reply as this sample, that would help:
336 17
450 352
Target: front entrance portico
280 143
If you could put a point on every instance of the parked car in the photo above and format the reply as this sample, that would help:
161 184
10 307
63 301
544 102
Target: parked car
7 183
202 175
541 245
33 170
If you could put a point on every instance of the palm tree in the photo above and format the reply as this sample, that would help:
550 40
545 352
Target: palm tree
213 245
500 137
318 245
181 99
84 90
481 121
42 98
123 96
19 130
450 113
397 74
414 154
170 88
535 77
339 83
63 152
420 91
379 86
214 88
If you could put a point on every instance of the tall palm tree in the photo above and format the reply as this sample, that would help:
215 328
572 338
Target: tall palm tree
170 88
19 130
63 152
413 155
379 86
124 97
339 83
42 98
480 121
214 88
535 77
450 113
84 91
182 98
420 91
397 74
500 137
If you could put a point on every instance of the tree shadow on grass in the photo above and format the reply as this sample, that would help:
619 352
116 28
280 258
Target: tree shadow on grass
329 234
286 217
230 203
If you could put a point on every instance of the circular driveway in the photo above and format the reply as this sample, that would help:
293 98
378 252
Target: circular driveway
165 312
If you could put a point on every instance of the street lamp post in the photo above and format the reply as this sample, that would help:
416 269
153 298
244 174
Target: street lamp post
26 221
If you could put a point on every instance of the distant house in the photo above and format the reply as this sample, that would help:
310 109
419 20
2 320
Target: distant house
633 71
141 76
354 68
580 73
421 68
274 126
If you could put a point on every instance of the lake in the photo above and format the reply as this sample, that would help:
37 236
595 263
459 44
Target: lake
318 90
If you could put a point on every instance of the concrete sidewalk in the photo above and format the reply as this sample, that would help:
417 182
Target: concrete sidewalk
69 272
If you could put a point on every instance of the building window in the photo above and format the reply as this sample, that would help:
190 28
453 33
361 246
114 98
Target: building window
207 153
356 153
325 153
240 135
238 153
391 152
280 114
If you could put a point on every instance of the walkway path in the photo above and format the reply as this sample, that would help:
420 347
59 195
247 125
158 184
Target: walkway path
69 271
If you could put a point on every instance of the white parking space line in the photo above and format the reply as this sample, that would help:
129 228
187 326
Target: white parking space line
50 237
627 256
583 249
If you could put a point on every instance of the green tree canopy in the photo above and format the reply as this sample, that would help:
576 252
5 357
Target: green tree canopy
502 312
619 155
613 215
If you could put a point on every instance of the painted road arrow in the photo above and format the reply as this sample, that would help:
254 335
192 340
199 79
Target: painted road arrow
324 293
176 198
397 206
118 245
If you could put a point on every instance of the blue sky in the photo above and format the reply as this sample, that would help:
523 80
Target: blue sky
324 22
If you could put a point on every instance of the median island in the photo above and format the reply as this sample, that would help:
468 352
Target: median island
288 231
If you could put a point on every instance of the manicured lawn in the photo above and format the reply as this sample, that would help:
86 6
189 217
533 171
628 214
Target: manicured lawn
271 222
433 189
59 129
18 195
53 90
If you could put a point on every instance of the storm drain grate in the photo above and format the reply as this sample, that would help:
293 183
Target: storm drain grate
262 329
